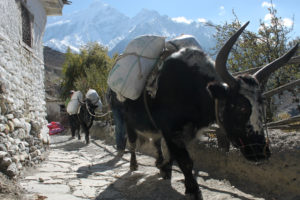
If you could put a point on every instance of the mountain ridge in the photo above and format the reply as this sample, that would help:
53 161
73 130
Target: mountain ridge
113 29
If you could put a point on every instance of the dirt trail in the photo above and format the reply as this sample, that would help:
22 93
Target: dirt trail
74 170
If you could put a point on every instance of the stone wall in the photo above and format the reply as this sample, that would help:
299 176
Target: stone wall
23 130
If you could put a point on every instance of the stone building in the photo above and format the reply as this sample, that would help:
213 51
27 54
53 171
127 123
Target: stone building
23 130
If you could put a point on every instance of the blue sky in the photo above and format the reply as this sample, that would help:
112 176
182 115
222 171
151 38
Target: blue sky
217 11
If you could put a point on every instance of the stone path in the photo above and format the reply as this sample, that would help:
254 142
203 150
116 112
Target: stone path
75 171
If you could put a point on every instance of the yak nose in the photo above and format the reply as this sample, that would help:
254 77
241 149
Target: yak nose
256 153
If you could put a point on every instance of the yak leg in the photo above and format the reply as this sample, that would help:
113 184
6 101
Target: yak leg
86 121
87 136
78 133
132 137
179 153
133 162
159 160
163 161
87 133
166 169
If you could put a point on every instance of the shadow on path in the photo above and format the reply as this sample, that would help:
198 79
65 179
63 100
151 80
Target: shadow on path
139 186
85 171
67 143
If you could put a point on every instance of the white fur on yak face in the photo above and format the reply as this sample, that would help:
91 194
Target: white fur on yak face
252 93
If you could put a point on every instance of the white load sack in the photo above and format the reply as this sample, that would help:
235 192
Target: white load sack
93 96
129 74
74 103
184 41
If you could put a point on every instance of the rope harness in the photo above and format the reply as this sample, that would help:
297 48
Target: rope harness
148 110
155 72
95 115
266 129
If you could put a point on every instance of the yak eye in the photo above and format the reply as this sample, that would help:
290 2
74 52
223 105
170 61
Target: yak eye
243 109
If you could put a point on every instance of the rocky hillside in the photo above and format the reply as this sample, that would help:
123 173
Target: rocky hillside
53 71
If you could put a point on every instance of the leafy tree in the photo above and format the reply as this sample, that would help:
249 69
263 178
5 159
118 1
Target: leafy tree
290 45
257 49
88 69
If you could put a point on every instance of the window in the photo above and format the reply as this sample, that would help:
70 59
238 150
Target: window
27 21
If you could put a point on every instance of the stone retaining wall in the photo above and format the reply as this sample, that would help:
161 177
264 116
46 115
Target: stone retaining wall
23 128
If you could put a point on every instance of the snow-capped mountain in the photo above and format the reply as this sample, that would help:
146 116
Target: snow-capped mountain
106 25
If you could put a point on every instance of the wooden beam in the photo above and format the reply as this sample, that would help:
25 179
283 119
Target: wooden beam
281 88
286 127
293 60
285 121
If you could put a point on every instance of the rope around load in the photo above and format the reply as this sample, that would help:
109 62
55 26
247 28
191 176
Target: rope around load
132 54
140 75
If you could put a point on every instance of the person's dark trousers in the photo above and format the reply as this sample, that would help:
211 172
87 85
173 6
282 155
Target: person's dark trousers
119 130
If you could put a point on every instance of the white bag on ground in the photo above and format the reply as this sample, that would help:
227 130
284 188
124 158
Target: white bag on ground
184 41
130 72
93 96
74 103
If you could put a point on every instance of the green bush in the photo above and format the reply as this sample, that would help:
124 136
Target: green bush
87 69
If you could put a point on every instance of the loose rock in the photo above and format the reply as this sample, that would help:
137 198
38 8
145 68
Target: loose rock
12 170
6 162
3 154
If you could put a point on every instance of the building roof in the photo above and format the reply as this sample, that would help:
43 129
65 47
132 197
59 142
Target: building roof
67 2
54 7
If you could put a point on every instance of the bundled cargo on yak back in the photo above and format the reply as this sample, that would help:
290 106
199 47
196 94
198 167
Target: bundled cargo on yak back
93 96
129 74
184 41
74 103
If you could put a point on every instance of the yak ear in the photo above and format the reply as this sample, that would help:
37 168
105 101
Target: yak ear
218 90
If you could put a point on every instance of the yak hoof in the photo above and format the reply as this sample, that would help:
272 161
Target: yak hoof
196 196
166 174
133 166
159 163
120 153
166 171
87 140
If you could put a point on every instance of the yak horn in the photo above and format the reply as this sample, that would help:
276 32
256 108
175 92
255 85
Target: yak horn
266 71
223 56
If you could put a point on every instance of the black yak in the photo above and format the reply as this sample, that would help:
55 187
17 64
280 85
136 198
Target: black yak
194 92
